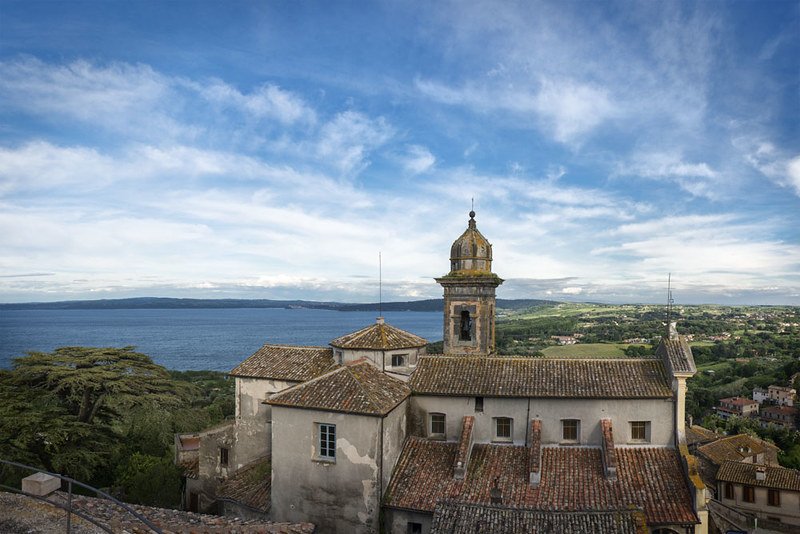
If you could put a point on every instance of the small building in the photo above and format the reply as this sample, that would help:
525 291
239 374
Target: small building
785 416
738 406
781 395
564 340
760 395
769 493
738 448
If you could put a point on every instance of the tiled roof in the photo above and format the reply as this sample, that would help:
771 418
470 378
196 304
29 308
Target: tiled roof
572 479
677 352
780 410
251 486
697 434
190 467
357 387
379 336
729 448
286 362
539 377
462 518
738 401
776 477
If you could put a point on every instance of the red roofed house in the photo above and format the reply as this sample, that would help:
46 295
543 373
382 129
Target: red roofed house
379 436
738 406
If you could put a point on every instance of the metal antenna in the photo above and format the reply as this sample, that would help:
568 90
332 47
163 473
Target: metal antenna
380 286
473 204
669 301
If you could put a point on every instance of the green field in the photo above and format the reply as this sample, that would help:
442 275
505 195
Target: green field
587 350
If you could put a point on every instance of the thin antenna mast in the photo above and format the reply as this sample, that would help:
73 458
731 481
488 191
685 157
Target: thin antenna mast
669 301
380 286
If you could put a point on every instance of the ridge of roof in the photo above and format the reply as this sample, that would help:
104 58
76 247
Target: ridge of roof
379 336
774 476
293 363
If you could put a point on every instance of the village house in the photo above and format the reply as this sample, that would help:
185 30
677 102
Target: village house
376 435
736 406
785 416
769 493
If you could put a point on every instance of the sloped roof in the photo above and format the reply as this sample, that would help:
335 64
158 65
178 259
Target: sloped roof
572 480
677 352
190 467
251 486
728 448
462 518
379 336
286 362
776 477
357 387
539 377
697 434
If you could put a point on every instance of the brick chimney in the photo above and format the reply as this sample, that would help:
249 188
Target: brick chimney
609 454
535 453
464 451
761 473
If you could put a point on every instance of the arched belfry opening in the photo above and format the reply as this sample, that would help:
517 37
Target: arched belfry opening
469 295
465 327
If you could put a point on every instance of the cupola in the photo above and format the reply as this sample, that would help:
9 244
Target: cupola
471 253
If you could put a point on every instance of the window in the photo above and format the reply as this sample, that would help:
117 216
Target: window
465 330
503 429
749 494
438 425
478 404
223 457
729 491
773 497
414 528
570 430
327 441
399 360
640 431
339 357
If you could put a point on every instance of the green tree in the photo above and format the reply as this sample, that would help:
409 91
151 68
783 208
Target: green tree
150 480
92 380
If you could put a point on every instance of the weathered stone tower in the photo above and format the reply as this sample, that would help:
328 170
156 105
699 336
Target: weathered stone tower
469 295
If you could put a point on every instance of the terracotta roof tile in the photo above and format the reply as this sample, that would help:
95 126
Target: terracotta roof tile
286 362
535 452
609 451
464 447
190 467
729 448
538 377
251 486
463 518
696 434
357 387
776 477
677 353
379 336
572 479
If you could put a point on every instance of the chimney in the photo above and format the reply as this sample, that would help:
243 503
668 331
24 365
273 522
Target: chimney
609 454
535 453
761 473
464 451
691 421
495 493
379 320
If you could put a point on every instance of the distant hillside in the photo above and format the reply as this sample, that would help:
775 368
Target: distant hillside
160 302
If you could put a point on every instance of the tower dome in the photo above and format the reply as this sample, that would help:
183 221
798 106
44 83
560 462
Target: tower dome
471 253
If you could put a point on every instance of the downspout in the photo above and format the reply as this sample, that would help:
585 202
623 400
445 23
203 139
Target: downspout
527 421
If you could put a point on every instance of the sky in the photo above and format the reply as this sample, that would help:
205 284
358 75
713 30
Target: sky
273 149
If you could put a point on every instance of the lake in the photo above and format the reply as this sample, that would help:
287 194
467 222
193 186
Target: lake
192 339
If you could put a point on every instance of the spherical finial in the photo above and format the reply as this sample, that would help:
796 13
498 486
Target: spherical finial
471 214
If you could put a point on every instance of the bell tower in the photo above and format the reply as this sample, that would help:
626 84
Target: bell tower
469 295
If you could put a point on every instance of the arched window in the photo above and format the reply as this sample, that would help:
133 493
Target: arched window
465 331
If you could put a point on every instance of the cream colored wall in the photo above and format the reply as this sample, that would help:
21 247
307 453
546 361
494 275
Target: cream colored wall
551 411
253 428
788 511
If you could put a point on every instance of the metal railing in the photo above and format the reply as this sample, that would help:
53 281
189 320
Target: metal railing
68 507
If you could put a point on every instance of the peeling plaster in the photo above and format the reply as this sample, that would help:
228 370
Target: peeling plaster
351 453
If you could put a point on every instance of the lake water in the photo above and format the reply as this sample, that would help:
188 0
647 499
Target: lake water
183 339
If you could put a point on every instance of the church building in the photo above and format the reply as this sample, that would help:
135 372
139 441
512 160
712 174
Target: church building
372 434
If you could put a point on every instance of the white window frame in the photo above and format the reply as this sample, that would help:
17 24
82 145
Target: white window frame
497 421
326 442
577 438
443 433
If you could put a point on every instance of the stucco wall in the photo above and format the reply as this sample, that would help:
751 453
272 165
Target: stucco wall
253 418
210 471
396 521
340 496
383 359
550 411
788 511
394 434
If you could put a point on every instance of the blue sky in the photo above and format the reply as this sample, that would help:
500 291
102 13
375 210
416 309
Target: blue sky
273 149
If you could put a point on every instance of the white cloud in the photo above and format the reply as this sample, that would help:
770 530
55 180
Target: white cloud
698 179
267 101
418 159
346 140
